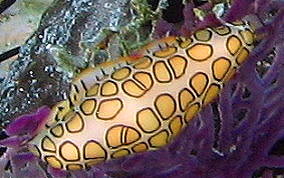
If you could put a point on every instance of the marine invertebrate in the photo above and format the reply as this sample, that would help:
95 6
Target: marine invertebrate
228 147
135 105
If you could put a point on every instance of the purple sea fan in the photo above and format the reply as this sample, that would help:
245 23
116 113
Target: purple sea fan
233 137
19 132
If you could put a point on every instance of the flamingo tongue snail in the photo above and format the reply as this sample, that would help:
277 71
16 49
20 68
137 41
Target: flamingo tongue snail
139 104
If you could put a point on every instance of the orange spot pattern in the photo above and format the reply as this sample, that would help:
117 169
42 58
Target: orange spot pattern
138 105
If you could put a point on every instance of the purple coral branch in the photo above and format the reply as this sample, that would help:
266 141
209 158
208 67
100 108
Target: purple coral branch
225 110
275 161
239 9
28 124
189 19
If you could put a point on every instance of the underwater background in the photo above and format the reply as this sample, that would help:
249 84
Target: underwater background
239 135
